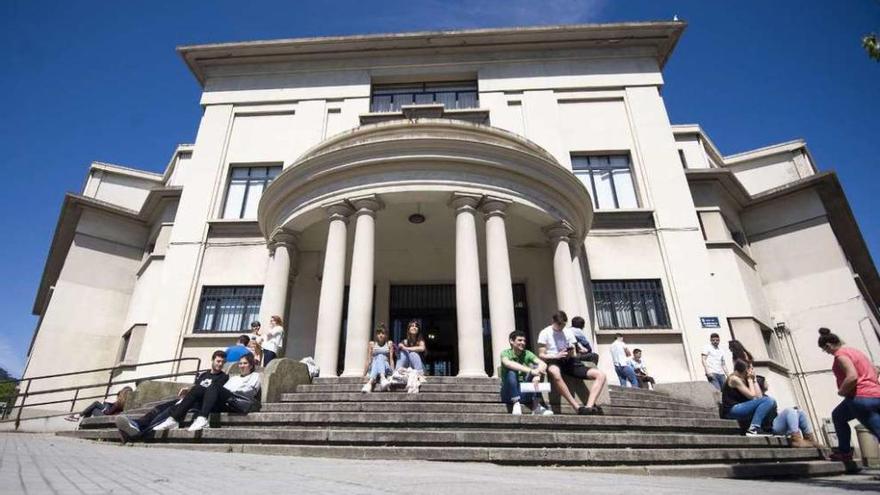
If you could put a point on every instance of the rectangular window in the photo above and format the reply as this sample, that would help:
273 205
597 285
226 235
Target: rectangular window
452 94
630 304
228 309
608 178
246 185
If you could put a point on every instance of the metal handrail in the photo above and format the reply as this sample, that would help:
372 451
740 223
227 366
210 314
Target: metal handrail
23 396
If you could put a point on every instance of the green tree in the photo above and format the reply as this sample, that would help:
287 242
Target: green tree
872 46
8 383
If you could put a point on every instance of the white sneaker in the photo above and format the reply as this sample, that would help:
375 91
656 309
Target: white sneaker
367 388
168 424
541 411
384 383
517 409
198 424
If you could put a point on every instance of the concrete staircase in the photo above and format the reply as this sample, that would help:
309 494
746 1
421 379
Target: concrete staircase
455 419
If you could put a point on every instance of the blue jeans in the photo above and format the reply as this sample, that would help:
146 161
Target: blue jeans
409 359
790 421
717 379
379 366
864 409
510 388
753 410
626 374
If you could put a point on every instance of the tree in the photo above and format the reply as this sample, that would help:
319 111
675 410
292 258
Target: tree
8 384
872 46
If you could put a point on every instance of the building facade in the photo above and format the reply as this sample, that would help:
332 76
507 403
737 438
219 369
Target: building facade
474 180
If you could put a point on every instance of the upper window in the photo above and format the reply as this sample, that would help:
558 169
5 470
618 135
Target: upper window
630 304
246 185
608 178
228 309
453 94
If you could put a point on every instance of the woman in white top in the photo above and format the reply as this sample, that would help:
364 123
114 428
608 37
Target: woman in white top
380 360
272 339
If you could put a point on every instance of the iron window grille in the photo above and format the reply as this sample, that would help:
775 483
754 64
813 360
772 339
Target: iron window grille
228 309
453 95
609 179
246 186
624 304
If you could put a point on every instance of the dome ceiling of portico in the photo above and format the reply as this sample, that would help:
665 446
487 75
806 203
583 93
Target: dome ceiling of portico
404 157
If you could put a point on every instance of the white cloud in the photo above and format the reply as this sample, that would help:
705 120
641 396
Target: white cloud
449 14
11 358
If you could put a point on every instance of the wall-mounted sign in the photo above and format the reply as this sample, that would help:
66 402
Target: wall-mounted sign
710 322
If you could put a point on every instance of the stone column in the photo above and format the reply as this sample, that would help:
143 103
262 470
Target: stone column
498 272
469 313
282 247
360 291
332 291
560 236
580 287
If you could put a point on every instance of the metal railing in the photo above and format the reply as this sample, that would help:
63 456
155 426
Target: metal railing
20 399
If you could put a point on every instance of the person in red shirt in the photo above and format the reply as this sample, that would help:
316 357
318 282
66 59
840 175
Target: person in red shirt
857 383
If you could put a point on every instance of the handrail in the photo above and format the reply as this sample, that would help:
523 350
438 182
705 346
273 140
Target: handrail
23 396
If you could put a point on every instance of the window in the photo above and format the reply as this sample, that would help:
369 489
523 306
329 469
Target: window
246 185
455 94
630 304
228 309
609 180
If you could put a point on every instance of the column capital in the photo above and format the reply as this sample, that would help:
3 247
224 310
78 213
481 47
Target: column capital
366 205
283 238
492 206
465 201
338 211
559 232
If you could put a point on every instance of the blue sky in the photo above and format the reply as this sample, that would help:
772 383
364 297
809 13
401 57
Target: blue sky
83 81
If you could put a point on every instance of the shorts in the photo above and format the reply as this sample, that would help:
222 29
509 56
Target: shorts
571 367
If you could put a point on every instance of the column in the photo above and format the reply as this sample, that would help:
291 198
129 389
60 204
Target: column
580 286
332 291
560 236
498 272
360 288
282 247
469 313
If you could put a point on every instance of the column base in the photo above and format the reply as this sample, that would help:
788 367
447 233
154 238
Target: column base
472 374
350 374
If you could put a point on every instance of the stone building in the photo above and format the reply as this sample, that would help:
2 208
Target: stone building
474 180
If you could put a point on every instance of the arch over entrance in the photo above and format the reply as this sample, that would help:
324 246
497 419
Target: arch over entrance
475 172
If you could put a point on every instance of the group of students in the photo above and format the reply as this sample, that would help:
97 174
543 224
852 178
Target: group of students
382 354
212 391
743 394
263 346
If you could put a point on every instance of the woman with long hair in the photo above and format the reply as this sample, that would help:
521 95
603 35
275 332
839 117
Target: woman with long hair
858 384
410 348
380 360
272 340
739 352
743 400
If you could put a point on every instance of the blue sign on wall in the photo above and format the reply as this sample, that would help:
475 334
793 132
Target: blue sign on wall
710 322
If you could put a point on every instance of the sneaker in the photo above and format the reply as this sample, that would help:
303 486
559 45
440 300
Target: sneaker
589 411
517 409
754 431
367 388
384 384
541 411
72 418
839 456
198 424
127 426
168 424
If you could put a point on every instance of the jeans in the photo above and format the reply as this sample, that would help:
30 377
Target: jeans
510 388
268 356
626 374
791 421
717 379
96 409
865 409
409 359
753 410
379 366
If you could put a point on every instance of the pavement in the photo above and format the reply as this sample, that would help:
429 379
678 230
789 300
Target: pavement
39 463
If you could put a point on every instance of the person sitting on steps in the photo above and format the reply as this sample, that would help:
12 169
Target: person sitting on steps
380 361
519 364
584 349
620 355
641 370
743 400
104 408
556 346
410 349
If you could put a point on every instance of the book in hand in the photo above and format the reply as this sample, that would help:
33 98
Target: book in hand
529 387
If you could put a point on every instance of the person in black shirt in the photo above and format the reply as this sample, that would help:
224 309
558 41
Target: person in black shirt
168 415
743 400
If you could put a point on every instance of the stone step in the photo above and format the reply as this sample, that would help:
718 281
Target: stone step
426 388
427 437
440 407
515 455
458 397
773 470
337 380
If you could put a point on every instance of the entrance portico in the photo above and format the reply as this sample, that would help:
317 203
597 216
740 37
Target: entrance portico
484 188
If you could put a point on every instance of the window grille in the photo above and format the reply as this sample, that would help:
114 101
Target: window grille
624 304
228 309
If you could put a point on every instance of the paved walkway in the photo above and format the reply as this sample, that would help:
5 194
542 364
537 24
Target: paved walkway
37 464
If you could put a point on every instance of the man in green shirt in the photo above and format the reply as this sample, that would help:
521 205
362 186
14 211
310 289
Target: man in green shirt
519 364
